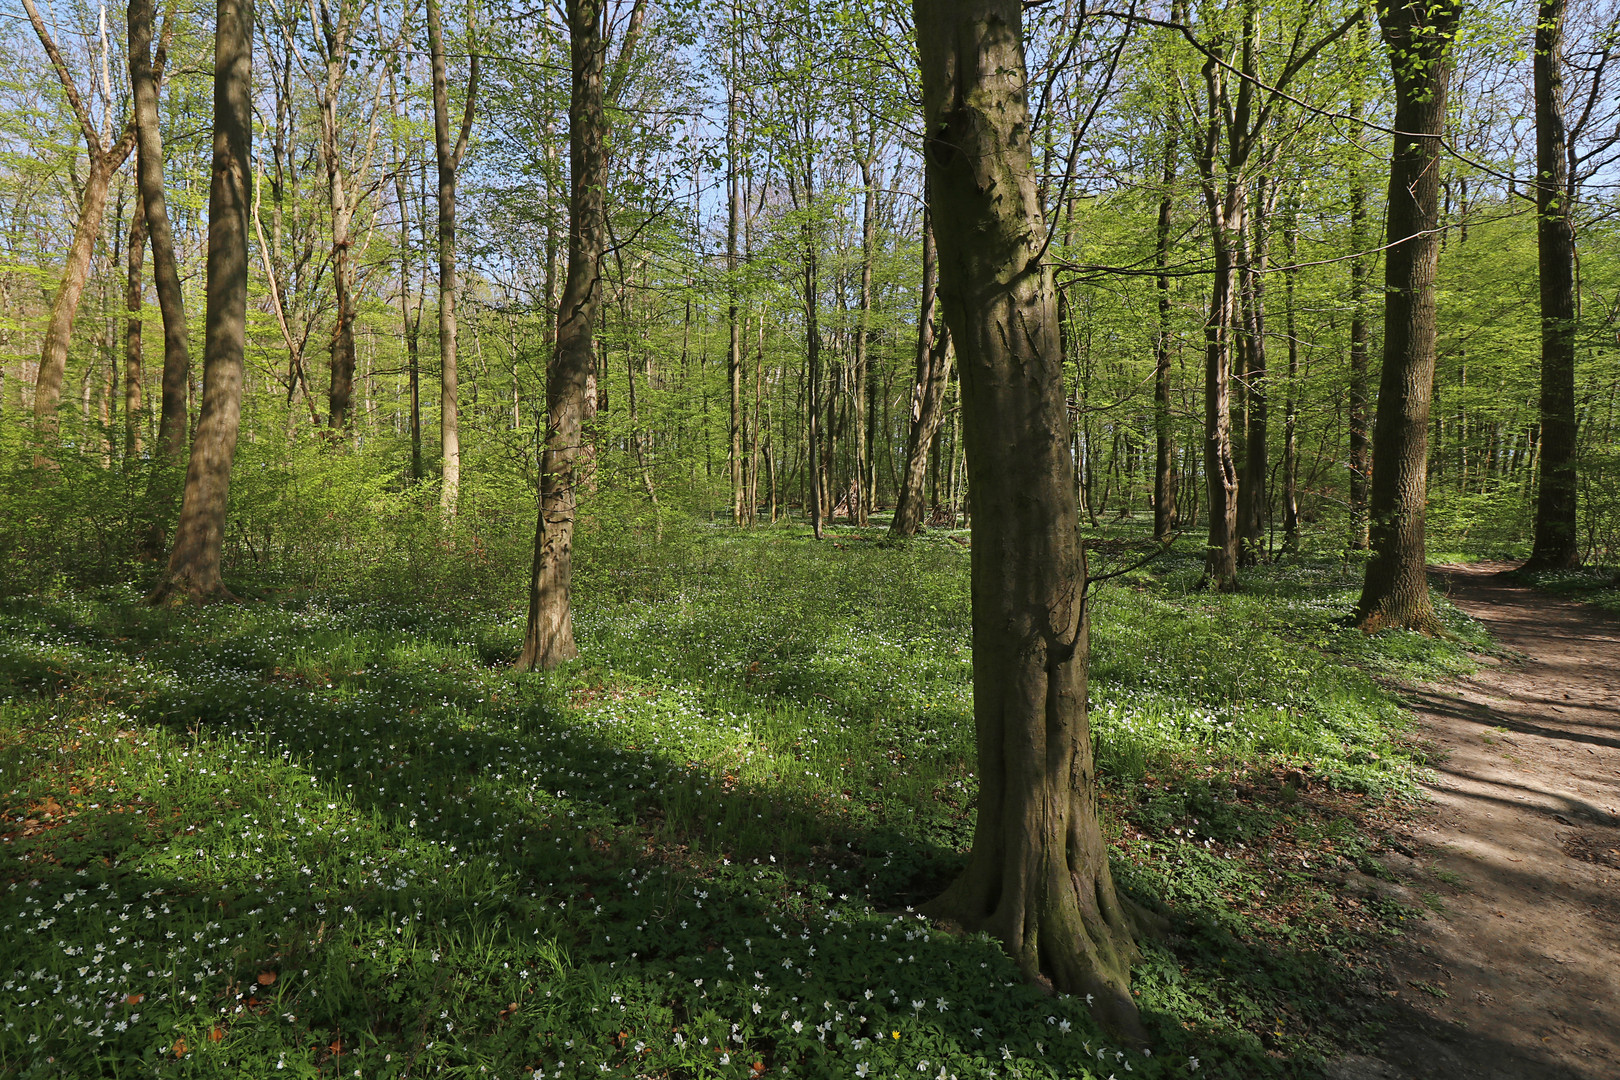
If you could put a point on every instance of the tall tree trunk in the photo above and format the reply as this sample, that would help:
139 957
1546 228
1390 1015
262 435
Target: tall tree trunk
548 637
134 298
1291 406
334 32
1556 545
1164 475
1395 591
448 156
1226 214
927 395
145 77
861 494
75 272
1037 878
734 357
194 565
1253 501
1360 405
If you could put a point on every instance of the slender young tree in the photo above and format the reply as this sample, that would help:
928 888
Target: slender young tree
548 637
1556 545
927 393
145 78
194 565
448 156
1038 877
1395 592
1164 470
106 158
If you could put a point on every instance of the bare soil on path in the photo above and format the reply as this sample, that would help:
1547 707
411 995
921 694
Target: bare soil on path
1515 972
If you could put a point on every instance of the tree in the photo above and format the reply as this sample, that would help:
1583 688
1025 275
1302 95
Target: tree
106 157
194 564
1037 878
927 392
448 157
1556 547
1395 592
145 78
548 636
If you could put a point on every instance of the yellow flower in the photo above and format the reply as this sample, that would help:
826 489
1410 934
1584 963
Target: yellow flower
897 1034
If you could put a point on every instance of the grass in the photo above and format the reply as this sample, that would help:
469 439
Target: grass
337 837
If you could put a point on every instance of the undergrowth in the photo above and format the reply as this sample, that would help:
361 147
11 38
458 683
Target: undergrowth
326 835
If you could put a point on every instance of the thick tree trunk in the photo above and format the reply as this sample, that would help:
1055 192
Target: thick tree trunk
145 77
1556 545
1038 876
194 565
448 156
927 396
134 298
1395 591
548 637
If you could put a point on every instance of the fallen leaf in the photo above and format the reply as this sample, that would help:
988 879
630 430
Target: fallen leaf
267 978
179 1048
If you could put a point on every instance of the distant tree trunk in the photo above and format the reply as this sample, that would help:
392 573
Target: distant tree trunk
1291 407
145 76
1226 214
1556 545
194 565
1164 473
134 298
1395 591
860 503
927 396
734 357
812 349
448 157
1038 877
334 35
1360 410
548 637
1253 501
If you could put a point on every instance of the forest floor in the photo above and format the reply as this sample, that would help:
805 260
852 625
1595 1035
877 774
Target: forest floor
1516 972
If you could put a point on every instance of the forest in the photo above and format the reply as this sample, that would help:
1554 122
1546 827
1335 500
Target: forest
831 538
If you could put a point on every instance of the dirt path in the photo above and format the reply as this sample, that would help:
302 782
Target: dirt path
1517 976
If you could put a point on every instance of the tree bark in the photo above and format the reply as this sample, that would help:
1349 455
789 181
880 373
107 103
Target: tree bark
194 565
1395 592
134 298
1556 545
1037 878
145 76
860 491
927 394
1226 213
1253 502
1164 474
548 637
448 156
734 356
1290 505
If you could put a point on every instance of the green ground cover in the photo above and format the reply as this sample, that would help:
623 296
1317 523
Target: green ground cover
326 836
